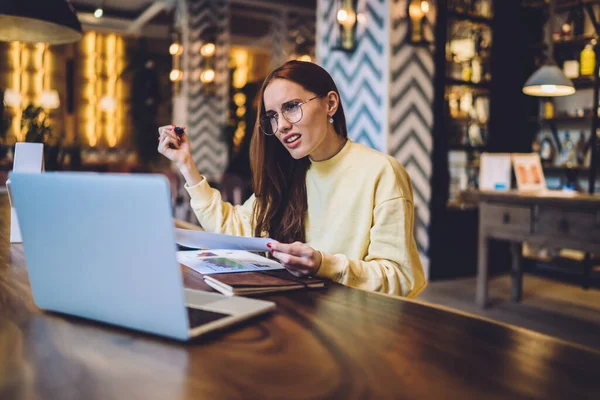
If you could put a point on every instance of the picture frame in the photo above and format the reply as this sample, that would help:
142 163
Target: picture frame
495 171
529 172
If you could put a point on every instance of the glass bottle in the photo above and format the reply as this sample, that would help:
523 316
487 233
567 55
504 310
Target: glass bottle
587 60
581 149
547 150
568 152
547 109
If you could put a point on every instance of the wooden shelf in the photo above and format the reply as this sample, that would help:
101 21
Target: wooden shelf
565 169
575 3
465 147
537 4
585 83
561 118
458 82
477 19
578 41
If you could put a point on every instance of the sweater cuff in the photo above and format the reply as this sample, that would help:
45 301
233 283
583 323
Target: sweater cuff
331 267
200 194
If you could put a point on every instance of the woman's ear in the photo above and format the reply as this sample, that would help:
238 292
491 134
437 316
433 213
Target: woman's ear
333 101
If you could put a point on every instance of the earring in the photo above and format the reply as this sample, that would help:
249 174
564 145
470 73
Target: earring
331 120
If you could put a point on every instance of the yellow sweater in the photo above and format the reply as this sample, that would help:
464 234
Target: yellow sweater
360 216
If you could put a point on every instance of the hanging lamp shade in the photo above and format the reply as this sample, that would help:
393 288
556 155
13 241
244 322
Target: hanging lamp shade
35 21
548 81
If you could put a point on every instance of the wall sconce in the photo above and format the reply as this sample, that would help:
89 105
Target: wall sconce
12 98
418 12
207 51
346 17
49 100
176 50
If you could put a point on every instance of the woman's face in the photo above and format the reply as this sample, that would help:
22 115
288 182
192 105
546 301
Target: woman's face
304 137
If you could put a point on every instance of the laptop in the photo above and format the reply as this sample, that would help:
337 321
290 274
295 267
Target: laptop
102 247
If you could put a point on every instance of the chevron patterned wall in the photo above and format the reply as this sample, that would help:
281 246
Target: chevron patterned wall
387 108
207 111
411 118
278 39
291 33
361 75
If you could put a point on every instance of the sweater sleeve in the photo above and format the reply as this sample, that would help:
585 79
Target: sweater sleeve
216 215
392 264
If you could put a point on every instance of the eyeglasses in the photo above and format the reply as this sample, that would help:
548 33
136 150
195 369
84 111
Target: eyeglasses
291 111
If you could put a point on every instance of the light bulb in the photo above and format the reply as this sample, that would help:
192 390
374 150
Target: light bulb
207 76
175 75
175 48
346 17
207 50
98 13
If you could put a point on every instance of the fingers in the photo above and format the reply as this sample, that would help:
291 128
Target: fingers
164 130
300 264
169 130
297 248
296 265
166 143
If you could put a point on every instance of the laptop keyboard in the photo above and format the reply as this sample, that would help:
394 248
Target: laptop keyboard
201 317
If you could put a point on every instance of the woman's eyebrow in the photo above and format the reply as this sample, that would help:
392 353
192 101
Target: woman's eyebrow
284 103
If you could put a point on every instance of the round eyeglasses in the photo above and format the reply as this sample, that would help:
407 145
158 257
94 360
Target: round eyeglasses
291 111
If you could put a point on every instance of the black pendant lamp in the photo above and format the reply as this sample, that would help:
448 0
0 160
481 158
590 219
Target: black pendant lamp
35 21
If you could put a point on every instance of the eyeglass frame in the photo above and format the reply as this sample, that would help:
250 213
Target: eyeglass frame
283 115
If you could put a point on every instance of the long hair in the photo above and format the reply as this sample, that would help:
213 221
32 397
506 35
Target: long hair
279 180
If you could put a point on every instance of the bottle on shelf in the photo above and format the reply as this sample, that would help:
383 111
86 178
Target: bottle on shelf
547 108
466 72
571 66
566 31
581 149
485 8
568 157
587 60
547 150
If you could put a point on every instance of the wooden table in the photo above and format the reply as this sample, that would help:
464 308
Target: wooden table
546 220
321 344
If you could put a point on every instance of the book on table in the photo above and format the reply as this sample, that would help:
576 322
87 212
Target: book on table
238 272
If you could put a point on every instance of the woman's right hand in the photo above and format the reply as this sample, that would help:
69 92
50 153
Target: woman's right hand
175 147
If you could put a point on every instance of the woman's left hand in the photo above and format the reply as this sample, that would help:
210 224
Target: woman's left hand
298 258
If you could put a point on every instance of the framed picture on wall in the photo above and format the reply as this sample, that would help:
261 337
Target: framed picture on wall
529 172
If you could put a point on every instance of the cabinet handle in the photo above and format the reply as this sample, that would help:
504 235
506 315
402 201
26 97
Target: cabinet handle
563 225
506 218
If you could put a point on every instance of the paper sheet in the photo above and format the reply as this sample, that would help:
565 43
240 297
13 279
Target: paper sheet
205 240
225 261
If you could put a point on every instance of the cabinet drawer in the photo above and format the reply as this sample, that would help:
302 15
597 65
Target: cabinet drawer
558 222
507 217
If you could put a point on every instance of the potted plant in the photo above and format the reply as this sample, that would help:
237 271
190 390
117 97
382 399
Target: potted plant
39 130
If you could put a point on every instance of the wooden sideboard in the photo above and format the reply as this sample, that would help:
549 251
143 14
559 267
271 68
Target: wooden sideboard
550 219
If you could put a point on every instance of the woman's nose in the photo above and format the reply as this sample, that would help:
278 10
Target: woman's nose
283 123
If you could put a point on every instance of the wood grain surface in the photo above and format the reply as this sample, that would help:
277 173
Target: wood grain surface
320 344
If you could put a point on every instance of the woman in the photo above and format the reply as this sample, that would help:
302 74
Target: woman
337 209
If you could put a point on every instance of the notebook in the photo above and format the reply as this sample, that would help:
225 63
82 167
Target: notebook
239 272
246 283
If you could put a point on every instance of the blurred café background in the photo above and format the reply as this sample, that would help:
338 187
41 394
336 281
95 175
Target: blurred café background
434 83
